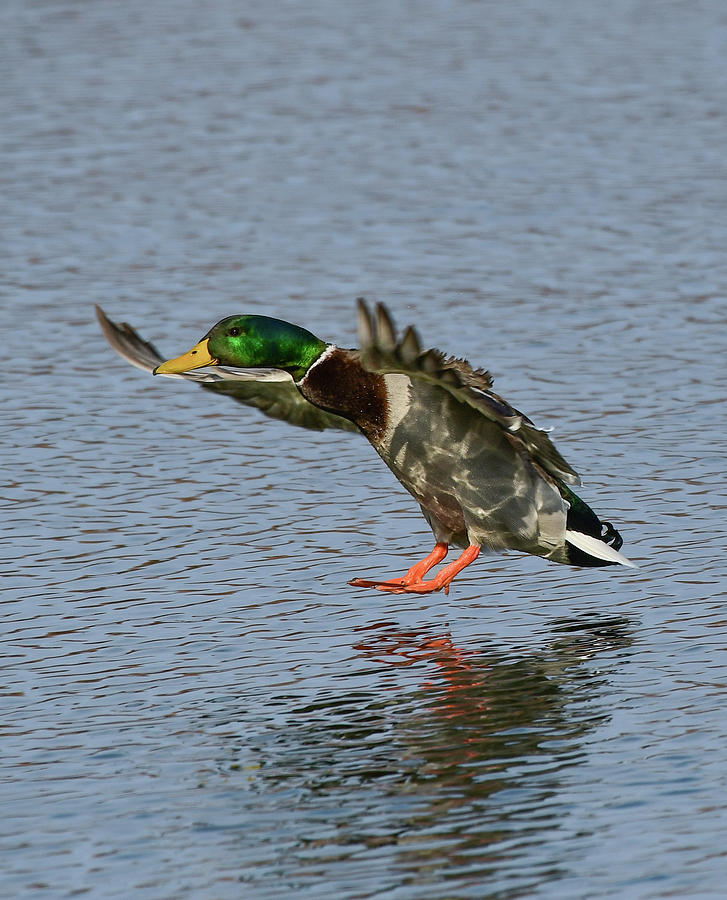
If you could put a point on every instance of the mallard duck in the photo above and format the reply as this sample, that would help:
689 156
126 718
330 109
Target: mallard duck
482 473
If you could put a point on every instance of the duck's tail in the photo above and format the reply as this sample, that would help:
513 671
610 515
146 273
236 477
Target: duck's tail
587 550
589 541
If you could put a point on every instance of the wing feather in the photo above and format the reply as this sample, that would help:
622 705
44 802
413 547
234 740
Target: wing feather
381 352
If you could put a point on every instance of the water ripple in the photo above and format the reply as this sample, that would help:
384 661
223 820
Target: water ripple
195 702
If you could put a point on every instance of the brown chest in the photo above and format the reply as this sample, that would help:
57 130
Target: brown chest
340 384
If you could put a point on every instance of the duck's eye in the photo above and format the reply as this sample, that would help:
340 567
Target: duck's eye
234 331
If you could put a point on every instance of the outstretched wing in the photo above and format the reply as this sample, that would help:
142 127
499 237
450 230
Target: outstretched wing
269 390
382 351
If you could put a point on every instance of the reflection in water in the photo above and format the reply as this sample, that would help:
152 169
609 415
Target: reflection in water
459 771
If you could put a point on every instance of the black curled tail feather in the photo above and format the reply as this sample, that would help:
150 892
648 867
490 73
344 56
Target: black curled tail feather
611 537
607 534
581 518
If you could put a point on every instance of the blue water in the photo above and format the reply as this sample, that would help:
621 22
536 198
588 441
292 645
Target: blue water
195 703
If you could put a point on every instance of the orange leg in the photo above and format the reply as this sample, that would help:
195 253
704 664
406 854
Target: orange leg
415 585
416 573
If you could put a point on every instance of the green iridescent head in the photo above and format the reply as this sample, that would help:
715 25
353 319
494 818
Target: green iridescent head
251 342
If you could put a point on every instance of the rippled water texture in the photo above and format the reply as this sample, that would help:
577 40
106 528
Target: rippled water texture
195 704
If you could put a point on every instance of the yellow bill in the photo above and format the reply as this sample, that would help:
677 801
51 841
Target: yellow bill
196 358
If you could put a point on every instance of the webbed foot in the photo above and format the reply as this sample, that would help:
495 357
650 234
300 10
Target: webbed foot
413 583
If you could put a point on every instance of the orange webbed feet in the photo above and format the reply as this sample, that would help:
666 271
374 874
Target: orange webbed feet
414 575
413 583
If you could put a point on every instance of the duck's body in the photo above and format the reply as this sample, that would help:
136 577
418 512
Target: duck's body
483 475
494 496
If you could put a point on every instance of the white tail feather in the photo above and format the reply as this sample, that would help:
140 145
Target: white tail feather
595 547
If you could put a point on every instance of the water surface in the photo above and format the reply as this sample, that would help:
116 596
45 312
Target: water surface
195 704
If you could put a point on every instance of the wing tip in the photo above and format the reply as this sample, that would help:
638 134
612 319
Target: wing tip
128 343
365 322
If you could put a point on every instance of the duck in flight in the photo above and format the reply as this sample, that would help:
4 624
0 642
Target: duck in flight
482 473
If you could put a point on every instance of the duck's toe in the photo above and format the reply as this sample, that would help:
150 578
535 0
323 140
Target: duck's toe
373 583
